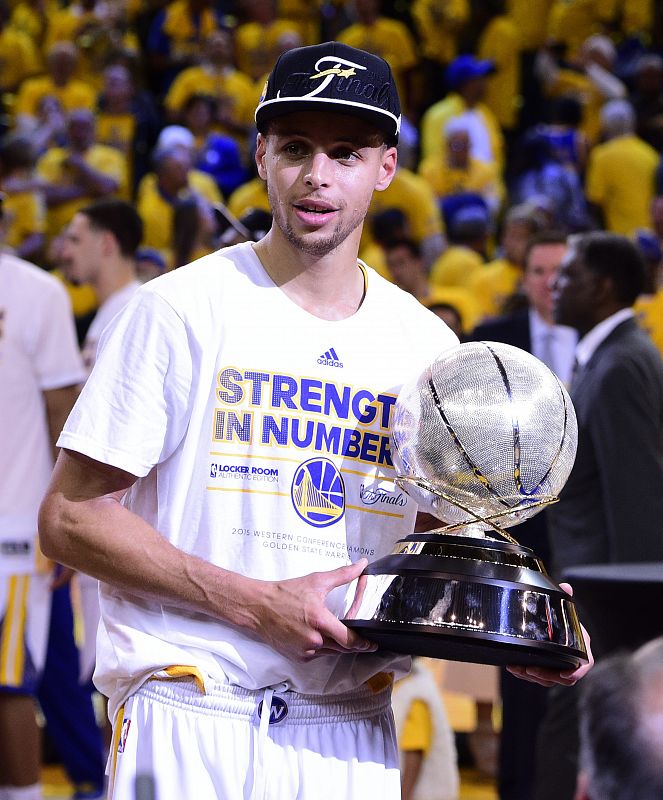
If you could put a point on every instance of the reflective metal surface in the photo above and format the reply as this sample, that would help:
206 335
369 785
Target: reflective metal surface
446 597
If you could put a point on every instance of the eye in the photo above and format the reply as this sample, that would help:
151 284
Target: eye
346 154
294 149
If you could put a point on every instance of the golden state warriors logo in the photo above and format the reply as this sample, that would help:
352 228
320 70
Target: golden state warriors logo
318 492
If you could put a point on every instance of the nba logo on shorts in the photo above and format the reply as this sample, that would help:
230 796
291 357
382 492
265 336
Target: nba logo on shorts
126 724
318 492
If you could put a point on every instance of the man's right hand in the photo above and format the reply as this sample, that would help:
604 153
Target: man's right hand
293 619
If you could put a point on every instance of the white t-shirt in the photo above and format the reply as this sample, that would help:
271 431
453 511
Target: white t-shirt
105 313
260 434
38 352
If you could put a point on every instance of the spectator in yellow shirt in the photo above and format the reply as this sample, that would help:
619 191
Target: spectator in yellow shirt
571 22
176 37
468 230
82 171
456 171
407 270
621 172
385 37
498 42
256 41
173 179
466 77
23 207
18 55
59 82
589 78
649 306
412 195
438 24
217 77
500 278
253 194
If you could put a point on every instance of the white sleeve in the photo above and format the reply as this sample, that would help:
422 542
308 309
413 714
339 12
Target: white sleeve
56 358
134 408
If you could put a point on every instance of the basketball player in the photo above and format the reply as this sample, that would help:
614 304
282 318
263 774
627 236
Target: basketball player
219 469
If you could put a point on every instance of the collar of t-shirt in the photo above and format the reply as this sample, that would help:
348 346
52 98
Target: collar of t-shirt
590 341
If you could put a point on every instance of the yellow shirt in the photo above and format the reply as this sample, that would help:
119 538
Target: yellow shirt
438 24
75 94
461 299
412 195
444 180
437 116
106 160
573 21
493 284
24 214
530 18
417 732
620 179
577 84
499 43
649 313
18 57
388 38
455 267
252 194
27 19
256 46
185 38
157 213
304 15
83 297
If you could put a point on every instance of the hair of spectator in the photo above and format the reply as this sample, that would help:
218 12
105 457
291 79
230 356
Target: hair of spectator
119 218
409 244
613 256
543 238
621 726
16 152
525 214
617 118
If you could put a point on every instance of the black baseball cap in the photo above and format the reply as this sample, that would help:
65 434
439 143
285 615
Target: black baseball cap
332 77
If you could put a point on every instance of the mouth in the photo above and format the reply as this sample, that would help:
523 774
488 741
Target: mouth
314 213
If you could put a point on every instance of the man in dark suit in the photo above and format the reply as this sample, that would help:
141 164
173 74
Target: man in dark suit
531 328
612 504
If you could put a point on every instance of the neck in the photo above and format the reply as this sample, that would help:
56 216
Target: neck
330 287
113 276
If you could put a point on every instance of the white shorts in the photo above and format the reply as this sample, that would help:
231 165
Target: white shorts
25 608
213 746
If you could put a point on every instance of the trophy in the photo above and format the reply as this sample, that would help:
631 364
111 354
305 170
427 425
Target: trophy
483 439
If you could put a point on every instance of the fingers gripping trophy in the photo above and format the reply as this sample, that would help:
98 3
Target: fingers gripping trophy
483 439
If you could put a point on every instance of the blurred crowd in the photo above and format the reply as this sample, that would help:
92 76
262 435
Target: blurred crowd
519 116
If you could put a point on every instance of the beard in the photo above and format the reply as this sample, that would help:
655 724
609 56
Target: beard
316 243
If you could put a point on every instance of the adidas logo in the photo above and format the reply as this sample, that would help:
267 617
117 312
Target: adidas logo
330 359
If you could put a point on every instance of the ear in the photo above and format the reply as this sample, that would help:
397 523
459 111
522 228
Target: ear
388 166
109 243
261 151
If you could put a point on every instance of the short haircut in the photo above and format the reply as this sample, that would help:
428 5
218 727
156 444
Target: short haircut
621 725
542 239
119 218
616 257
409 244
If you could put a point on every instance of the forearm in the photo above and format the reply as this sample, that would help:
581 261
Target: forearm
101 537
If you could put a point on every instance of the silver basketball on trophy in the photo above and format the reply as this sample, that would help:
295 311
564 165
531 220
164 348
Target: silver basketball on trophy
484 439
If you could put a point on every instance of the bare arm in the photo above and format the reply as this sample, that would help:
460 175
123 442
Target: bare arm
59 403
412 761
83 525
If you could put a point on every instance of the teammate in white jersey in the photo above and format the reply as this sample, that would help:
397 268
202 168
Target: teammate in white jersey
40 367
226 473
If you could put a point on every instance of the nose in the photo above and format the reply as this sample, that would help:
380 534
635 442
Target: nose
318 173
